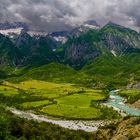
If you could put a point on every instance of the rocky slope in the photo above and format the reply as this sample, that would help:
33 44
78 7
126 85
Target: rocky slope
8 53
127 129
112 38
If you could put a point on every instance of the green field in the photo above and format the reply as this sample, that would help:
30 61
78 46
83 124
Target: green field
35 104
75 106
58 100
72 111
8 91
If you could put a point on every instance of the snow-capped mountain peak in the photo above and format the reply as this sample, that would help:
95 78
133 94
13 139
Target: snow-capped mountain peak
92 24
10 32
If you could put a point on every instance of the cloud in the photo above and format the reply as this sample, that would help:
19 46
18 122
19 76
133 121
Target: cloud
52 15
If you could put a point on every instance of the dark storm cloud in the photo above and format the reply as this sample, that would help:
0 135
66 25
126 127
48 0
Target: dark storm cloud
54 15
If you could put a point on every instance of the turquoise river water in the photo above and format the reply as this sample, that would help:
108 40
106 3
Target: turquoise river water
117 101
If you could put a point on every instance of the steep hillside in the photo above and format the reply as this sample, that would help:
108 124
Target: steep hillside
127 129
119 40
9 56
111 39
116 70
37 49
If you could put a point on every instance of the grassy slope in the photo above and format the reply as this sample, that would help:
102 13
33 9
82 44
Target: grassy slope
119 71
49 72
116 70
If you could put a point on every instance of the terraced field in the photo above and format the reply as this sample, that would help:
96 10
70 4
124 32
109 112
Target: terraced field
58 100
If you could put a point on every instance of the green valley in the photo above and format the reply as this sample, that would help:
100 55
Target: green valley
58 100
69 90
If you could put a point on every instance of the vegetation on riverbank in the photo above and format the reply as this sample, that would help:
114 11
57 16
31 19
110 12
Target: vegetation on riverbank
15 128
131 95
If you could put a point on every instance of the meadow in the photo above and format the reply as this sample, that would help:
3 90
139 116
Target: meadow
66 101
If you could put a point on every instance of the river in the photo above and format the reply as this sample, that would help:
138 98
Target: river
115 101
118 103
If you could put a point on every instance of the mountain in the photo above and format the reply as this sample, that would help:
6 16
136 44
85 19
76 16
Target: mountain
13 29
60 37
110 54
12 33
8 53
119 39
101 55
85 27
91 24
36 49
25 50
111 39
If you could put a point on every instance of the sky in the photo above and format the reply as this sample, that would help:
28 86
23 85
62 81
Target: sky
57 15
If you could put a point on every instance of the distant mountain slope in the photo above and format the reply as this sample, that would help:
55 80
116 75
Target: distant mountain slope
112 38
36 49
108 54
8 53
119 39
116 70
50 72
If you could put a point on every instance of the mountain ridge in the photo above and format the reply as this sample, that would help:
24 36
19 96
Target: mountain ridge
112 48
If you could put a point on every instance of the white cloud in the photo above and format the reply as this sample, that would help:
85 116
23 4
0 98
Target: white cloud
61 14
